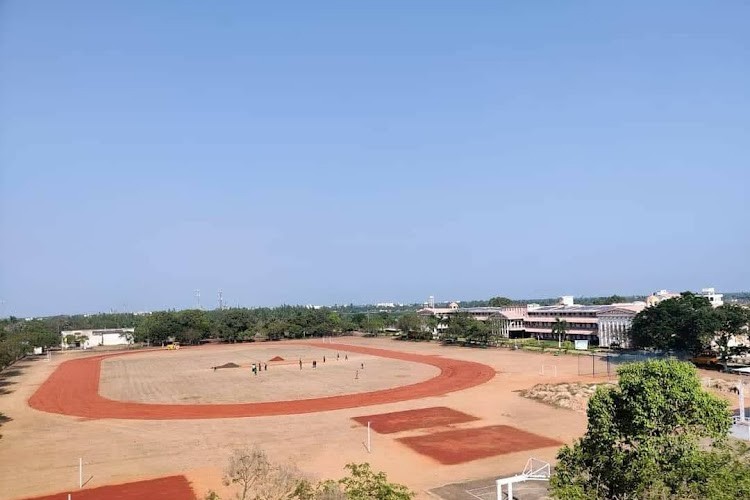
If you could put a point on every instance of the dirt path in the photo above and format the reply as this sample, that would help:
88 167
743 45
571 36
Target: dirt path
73 389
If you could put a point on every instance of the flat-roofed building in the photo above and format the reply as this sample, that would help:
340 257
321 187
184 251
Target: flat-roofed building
615 324
86 339
599 324
581 321
505 322
716 299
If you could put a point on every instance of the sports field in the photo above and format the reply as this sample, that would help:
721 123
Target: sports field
187 376
151 414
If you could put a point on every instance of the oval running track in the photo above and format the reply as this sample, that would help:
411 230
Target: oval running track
73 389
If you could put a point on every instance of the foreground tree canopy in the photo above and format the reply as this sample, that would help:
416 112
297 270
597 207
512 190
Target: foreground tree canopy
657 434
688 324
254 477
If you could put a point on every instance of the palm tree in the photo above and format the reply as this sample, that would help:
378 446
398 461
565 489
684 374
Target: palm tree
560 328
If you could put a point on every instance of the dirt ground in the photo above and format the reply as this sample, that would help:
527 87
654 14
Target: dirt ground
186 376
39 451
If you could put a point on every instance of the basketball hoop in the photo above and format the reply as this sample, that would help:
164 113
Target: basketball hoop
535 470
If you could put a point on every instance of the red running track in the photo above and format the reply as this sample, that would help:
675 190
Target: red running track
163 488
73 389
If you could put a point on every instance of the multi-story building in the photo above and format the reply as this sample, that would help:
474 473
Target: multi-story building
716 299
603 325
506 322
615 322
581 321
660 296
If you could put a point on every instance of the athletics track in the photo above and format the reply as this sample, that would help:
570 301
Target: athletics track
73 389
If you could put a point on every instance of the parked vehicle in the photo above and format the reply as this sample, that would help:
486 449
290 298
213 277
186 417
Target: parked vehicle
706 359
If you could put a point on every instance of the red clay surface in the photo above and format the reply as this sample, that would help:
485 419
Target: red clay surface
276 358
164 488
465 445
73 389
423 418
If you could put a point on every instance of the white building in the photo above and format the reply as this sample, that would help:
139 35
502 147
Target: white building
505 322
615 322
86 339
716 299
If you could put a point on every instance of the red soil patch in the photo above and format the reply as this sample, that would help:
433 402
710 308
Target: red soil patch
164 488
276 358
423 418
465 445
73 389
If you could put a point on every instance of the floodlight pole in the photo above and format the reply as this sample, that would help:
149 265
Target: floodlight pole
369 448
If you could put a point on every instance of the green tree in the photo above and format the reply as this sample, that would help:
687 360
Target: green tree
500 302
364 484
478 331
277 329
431 323
463 325
733 321
458 327
560 328
157 327
657 434
604 301
411 325
684 324
192 325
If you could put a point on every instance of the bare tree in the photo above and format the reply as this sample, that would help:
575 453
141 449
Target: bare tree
247 468
280 483
260 479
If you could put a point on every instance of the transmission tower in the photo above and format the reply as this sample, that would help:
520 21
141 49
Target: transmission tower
197 298
221 300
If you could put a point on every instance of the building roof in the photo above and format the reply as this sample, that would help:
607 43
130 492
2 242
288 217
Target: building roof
503 311
436 310
551 319
633 308
507 313
575 308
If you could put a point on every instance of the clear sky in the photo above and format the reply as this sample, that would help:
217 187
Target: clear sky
323 152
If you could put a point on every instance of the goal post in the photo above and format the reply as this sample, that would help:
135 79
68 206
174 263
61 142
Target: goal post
548 371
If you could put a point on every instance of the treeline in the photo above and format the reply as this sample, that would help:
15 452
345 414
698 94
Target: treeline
243 325
18 337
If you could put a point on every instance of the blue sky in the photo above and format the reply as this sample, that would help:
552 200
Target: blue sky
336 152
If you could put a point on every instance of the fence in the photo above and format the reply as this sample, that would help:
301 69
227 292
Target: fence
606 365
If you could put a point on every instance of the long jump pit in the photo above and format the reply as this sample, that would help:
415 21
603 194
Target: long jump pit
164 385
